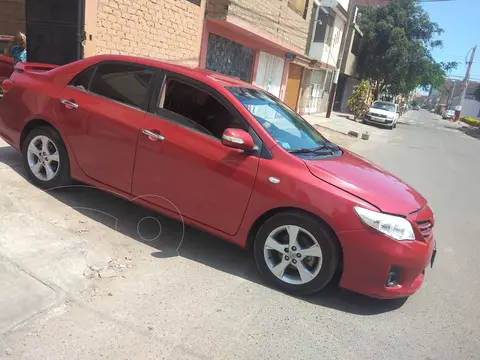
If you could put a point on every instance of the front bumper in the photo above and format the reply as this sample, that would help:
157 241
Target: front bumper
377 120
369 256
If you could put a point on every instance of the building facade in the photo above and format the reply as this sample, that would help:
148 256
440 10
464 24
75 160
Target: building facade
287 47
161 29
166 30
268 44
327 26
12 16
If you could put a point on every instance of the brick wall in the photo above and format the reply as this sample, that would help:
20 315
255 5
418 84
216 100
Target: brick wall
12 16
272 16
162 29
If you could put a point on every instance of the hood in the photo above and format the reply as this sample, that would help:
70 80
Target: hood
381 112
368 182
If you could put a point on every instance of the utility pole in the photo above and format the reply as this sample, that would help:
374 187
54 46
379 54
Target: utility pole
333 90
458 110
450 96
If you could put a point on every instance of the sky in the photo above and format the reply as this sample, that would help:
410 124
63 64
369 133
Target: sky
460 19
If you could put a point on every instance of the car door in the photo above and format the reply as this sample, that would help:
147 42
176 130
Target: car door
100 111
182 166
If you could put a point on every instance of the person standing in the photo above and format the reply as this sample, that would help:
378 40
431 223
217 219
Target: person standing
18 48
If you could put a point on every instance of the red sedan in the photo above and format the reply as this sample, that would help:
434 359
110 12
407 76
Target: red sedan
228 158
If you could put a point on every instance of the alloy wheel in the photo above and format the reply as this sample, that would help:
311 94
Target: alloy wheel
43 158
293 254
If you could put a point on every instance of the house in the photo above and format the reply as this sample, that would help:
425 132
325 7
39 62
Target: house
327 25
261 42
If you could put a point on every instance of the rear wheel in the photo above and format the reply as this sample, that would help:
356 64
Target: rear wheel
45 158
296 252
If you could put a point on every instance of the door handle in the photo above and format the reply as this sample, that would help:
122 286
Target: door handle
153 136
70 105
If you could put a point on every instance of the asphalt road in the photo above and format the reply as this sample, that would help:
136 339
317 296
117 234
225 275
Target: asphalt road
188 295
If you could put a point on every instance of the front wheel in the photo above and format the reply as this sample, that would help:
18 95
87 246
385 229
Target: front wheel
45 158
296 252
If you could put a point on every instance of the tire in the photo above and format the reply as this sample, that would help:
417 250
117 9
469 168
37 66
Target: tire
55 158
321 268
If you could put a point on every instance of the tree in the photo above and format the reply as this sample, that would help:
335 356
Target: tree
395 54
360 100
477 93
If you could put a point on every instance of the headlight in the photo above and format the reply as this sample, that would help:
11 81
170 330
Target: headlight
391 117
394 226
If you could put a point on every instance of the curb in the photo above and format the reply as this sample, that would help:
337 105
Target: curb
337 131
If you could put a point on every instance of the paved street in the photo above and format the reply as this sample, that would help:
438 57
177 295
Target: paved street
174 294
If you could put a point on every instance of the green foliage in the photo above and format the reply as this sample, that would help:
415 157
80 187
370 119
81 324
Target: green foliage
360 101
396 48
470 121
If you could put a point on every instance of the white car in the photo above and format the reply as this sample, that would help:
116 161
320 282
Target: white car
449 114
383 113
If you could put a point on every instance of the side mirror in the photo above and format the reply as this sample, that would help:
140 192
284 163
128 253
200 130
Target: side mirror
238 139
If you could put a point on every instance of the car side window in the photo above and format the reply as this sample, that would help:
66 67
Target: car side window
125 83
195 108
82 80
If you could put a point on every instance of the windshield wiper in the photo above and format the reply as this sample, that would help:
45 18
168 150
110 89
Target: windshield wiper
318 150
327 149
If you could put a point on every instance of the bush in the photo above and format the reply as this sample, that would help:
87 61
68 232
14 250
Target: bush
470 121
360 101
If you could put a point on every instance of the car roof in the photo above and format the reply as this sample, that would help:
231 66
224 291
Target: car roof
197 73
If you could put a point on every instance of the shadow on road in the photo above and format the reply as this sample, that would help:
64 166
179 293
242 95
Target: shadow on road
471 131
139 224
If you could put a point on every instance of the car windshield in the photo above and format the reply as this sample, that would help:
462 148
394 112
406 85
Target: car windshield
288 129
450 112
384 106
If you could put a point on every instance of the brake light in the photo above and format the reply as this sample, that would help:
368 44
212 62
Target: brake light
7 85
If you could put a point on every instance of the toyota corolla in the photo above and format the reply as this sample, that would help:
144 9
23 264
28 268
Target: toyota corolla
228 158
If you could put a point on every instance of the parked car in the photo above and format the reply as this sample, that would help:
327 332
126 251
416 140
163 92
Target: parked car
449 114
383 113
6 63
228 158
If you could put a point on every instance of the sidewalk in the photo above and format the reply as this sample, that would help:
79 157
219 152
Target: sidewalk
342 123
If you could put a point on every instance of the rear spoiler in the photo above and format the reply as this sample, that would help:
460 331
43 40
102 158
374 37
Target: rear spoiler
32 67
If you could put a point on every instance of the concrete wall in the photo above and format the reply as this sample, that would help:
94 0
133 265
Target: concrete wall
471 108
272 19
166 29
12 16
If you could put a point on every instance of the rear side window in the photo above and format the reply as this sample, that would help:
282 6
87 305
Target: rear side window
82 80
125 83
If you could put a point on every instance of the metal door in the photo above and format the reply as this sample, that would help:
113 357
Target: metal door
54 30
270 73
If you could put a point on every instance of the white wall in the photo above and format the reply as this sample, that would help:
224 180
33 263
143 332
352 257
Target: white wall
326 53
471 108
330 53
344 4
333 3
